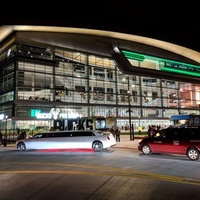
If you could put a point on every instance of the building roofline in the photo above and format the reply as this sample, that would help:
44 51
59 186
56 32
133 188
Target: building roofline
6 30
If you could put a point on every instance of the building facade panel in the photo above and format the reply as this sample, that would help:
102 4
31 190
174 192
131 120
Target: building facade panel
43 84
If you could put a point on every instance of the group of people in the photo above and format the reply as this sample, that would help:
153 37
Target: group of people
152 130
116 133
3 139
22 135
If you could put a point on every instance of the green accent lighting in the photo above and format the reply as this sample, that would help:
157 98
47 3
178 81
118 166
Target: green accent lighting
134 56
171 66
179 71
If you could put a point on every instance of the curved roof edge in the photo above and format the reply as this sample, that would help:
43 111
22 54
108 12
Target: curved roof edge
183 51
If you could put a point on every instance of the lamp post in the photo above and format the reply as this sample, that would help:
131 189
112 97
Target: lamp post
129 112
5 136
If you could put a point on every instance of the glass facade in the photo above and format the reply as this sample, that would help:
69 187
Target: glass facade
35 79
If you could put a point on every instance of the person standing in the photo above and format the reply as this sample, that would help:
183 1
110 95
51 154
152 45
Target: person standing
117 133
24 134
149 131
1 138
112 130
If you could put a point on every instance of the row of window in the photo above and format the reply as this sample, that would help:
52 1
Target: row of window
81 78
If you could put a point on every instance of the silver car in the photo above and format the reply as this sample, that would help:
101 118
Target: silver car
76 139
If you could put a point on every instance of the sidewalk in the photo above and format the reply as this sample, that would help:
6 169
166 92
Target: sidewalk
10 145
126 143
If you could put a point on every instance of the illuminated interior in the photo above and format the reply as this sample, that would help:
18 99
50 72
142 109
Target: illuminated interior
170 66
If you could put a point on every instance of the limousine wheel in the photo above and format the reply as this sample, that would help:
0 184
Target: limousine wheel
97 146
193 154
21 146
146 149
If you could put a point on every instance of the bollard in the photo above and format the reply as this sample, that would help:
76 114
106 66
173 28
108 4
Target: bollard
4 142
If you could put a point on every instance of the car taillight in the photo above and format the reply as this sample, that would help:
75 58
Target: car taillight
108 137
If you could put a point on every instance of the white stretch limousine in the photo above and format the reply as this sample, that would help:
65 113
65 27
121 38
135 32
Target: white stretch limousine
82 139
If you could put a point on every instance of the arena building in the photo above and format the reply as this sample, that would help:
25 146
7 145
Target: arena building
73 78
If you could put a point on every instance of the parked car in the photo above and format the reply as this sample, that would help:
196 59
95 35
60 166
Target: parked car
84 139
185 141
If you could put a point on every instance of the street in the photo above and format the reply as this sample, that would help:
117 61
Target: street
120 173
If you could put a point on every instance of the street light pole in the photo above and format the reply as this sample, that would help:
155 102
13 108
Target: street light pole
129 112
5 136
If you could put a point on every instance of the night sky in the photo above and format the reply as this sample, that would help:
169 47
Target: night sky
176 22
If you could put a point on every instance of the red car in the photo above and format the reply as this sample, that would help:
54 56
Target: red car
185 141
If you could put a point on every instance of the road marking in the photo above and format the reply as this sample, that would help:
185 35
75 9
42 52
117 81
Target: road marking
105 171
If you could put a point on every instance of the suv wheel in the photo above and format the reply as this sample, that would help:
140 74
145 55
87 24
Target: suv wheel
193 154
146 149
